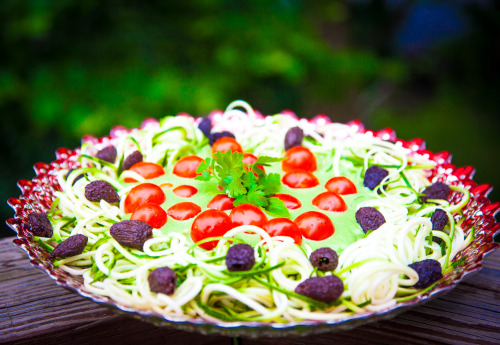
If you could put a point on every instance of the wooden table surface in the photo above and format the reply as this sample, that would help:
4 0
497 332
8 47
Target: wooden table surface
34 310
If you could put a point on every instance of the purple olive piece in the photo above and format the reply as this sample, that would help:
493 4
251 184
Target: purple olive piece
429 271
240 257
101 190
134 157
369 218
324 289
373 176
40 225
71 246
107 154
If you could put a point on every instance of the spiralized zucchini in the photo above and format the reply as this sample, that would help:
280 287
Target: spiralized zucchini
374 269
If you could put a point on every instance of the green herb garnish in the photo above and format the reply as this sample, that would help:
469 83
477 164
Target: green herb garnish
246 183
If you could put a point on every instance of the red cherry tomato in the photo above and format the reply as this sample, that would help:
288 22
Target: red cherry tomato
143 194
291 202
249 159
226 144
221 202
210 223
299 157
300 179
147 170
315 226
341 185
186 166
152 214
283 227
184 210
329 201
247 214
185 191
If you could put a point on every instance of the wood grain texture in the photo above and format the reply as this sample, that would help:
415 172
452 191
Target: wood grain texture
34 310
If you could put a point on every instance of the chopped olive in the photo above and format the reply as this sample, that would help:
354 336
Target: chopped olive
439 219
134 157
429 271
324 289
162 280
72 246
40 224
101 190
437 190
369 218
107 154
131 233
373 176
293 137
325 259
205 126
213 137
240 257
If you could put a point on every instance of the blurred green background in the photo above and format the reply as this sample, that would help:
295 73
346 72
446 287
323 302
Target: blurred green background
427 69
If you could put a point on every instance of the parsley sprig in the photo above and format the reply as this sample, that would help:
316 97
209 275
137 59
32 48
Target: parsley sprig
246 183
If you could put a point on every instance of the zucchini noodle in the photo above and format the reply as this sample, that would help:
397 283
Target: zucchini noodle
374 269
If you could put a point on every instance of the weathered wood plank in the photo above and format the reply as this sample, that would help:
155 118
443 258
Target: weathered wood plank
34 310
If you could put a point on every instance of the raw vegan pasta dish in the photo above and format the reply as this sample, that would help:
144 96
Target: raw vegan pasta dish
239 217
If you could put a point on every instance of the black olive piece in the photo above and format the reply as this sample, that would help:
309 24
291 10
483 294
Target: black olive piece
101 190
213 137
131 233
325 259
429 271
107 154
205 126
439 219
437 190
240 257
324 289
134 157
293 137
40 224
373 176
369 218
71 246
162 280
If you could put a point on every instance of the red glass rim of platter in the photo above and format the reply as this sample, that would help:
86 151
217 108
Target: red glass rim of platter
478 214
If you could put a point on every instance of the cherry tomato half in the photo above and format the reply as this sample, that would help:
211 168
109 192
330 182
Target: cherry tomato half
291 202
147 170
283 227
299 157
341 185
329 201
185 191
143 194
184 210
186 166
221 202
210 223
152 214
247 214
315 226
226 144
300 179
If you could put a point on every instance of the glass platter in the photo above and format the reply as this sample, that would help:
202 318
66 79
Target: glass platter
38 194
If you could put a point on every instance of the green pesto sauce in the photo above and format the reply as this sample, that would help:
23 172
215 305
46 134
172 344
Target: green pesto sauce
347 230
